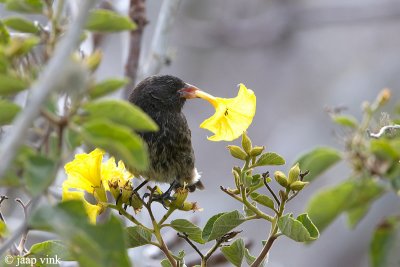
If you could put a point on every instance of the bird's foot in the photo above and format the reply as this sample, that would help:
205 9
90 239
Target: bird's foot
163 198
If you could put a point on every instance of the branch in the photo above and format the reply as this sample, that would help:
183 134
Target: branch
264 251
20 230
186 238
383 130
158 56
137 12
43 87
21 247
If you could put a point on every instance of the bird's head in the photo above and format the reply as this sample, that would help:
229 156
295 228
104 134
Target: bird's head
163 92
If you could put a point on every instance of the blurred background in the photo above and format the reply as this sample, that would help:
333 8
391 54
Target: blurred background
299 57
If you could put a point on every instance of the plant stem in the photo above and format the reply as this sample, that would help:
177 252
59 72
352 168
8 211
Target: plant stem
248 204
126 215
165 217
273 235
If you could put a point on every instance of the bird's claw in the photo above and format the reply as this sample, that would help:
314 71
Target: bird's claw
166 196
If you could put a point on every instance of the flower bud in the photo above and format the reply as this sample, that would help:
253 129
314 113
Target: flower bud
136 203
187 206
298 185
246 143
114 189
126 192
237 177
256 151
280 177
294 173
180 196
383 97
93 61
237 152
99 193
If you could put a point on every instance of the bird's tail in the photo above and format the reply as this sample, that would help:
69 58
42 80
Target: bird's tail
197 185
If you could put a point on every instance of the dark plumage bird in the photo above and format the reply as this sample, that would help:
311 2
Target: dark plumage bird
170 149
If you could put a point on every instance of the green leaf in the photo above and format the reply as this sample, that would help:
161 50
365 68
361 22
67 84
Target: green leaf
165 263
20 46
91 245
269 158
4 34
137 236
383 243
120 112
3 229
318 161
10 85
345 120
301 229
25 6
326 205
101 20
21 25
235 252
384 149
117 140
262 199
106 87
225 223
8 111
250 258
49 249
39 173
193 231
355 215
209 226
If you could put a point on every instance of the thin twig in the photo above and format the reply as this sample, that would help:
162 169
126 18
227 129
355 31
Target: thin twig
383 130
20 230
21 247
41 89
137 12
265 176
186 238
158 54
2 198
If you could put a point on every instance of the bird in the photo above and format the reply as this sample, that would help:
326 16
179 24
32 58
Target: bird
171 154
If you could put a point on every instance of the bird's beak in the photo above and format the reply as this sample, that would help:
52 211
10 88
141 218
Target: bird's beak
189 91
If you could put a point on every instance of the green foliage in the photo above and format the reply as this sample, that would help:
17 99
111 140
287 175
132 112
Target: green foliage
10 85
8 111
50 248
138 236
118 140
234 252
262 199
301 229
90 245
217 227
191 230
383 242
269 158
25 6
21 25
345 121
318 161
101 20
39 173
120 112
106 87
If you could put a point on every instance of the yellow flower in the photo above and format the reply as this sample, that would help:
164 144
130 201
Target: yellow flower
84 173
92 210
232 115
113 173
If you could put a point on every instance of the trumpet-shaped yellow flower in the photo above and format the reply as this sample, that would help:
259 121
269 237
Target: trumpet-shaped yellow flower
88 173
232 115
92 210
112 172
84 173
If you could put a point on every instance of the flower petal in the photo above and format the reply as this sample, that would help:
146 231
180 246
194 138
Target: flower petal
91 210
232 117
